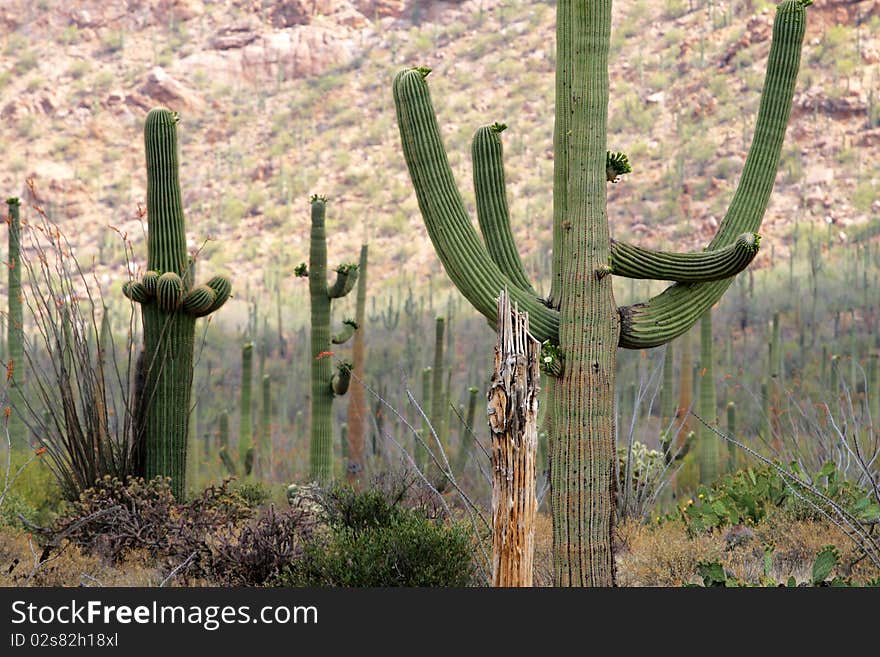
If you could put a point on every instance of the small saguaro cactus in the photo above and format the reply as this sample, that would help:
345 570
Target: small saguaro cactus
170 305
326 384
266 427
245 419
15 330
580 316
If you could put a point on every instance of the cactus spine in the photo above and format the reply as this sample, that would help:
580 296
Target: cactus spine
325 384
15 329
169 307
357 405
580 317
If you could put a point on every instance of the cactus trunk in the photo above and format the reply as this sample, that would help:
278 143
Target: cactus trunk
708 451
15 330
357 405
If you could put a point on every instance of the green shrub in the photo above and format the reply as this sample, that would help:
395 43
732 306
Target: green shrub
747 495
376 541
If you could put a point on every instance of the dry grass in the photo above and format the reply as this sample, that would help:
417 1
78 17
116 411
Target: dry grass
647 555
665 555
20 566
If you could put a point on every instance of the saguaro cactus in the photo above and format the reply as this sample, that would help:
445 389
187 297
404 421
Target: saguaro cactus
15 332
326 384
170 306
245 419
580 321
708 448
358 410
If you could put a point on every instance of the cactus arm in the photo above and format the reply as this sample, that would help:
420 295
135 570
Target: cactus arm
346 277
699 267
493 213
198 300
136 291
341 378
349 326
464 257
222 291
677 308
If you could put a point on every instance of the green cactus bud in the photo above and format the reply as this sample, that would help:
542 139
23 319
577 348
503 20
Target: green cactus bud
616 165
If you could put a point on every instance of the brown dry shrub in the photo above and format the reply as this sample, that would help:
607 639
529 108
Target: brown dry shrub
661 555
214 538
68 566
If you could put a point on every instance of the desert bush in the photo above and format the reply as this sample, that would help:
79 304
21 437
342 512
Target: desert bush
376 540
114 520
262 549
747 495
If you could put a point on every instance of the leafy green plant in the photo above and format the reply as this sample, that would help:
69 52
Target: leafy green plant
746 495
827 559
376 540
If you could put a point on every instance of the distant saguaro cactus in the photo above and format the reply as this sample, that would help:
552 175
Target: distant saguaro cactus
580 320
245 419
326 384
358 411
15 329
169 307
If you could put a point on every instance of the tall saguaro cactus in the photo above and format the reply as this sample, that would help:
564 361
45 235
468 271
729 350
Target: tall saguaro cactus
358 411
580 321
15 331
326 384
170 305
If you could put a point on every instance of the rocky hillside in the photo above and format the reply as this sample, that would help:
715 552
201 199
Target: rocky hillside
283 99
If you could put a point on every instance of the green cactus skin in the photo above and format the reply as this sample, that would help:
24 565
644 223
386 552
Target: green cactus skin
357 404
667 399
708 448
15 334
731 431
245 420
169 329
349 326
428 439
636 262
580 315
266 425
438 396
492 209
464 444
325 384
